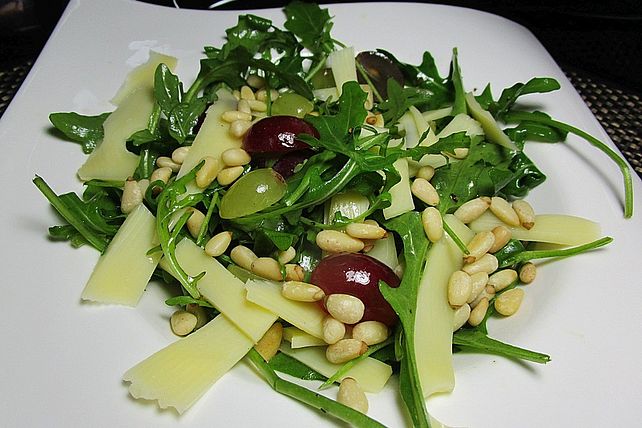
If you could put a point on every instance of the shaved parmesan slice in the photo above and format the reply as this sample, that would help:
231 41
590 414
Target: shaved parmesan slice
182 372
344 67
400 193
371 374
222 289
123 271
306 316
300 339
143 75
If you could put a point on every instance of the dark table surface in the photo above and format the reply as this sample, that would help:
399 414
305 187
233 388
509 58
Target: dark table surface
598 45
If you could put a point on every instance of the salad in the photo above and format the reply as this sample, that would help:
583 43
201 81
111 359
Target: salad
293 170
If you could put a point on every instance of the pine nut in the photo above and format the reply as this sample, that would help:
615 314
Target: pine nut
345 308
375 119
478 282
182 322
487 293
235 157
238 128
525 213
334 241
460 152
527 273
244 107
294 272
234 115
459 288
426 172
478 313
365 231
461 315
243 256
333 330
180 154
268 268
208 172
194 222
199 312
486 263
286 256
502 236
472 209
262 95
478 246
131 197
237 94
503 211
345 350
425 191
433 224
143 184
228 175
255 81
218 244
301 291
161 174
269 344
256 105
164 161
509 301
247 93
351 395
502 279
370 332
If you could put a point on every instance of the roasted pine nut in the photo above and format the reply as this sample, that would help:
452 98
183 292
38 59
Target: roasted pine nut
527 273
262 95
235 157
487 293
180 154
425 191
334 241
218 244
194 222
238 128
301 291
486 263
370 332
459 288
286 256
365 231
426 172
269 344
478 246
199 312
478 313
255 81
333 330
525 213
182 322
502 236
268 268
351 395
461 315
243 256
478 282
256 105
345 308
131 197
164 161
345 350
161 174
433 224
472 209
509 301
234 115
208 172
247 93
502 279
228 175
504 211
294 272
244 107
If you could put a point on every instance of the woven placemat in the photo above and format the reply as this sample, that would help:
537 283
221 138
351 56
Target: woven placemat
619 111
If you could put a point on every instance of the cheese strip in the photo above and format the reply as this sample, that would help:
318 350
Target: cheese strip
123 271
371 374
222 289
400 193
306 316
111 160
300 339
182 372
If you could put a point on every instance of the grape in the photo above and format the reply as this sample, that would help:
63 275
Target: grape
359 276
252 192
277 134
292 104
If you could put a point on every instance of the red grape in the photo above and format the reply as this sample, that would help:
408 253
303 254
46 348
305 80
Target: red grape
277 134
358 275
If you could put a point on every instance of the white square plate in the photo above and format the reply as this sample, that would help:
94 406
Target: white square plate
62 360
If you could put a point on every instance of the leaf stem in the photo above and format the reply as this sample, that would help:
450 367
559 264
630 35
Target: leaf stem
525 256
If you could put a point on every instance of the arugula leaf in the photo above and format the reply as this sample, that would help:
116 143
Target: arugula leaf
403 300
510 95
168 90
311 24
477 341
86 130
285 364
459 105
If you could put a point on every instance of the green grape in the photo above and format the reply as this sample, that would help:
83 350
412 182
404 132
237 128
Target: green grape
252 193
291 104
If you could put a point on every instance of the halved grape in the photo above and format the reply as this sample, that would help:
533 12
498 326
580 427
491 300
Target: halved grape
358 275
277 134
291 104
252 193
